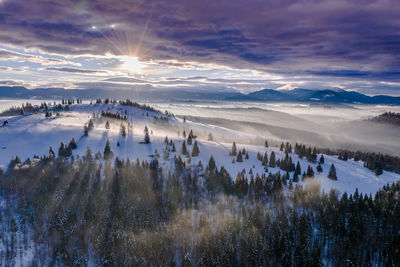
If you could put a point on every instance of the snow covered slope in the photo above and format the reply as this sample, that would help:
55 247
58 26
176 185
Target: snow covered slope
33 134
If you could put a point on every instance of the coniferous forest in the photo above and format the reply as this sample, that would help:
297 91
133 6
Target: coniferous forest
74 211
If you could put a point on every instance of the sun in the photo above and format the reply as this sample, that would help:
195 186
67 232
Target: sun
131 64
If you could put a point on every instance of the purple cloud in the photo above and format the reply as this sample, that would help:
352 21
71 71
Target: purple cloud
354 39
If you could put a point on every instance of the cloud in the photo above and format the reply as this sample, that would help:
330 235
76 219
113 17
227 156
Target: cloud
19 57
355 39
74 70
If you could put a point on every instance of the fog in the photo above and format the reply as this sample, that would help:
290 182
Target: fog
330 126
323 125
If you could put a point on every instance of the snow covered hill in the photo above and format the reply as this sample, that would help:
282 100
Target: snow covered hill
33 134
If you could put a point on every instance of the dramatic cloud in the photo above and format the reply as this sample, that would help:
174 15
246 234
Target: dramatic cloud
74 70
340 41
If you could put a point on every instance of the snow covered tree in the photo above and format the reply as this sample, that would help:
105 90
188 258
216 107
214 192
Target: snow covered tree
183 148
62 151
265 159
85 130
107 125
266 143
239 157
295 177
51 153
233 152
195 150
298 168
310 171
72 144
146 138
108 154
272 160
332 173
322 159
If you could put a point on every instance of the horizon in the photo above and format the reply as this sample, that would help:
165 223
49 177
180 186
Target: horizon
201 47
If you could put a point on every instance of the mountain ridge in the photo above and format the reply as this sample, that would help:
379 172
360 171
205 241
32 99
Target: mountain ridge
337 96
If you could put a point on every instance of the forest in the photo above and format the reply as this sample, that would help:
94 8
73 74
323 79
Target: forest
75 211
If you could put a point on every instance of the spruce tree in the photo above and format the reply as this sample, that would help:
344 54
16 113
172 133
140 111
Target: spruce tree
295 177
211 163
195 150
265 159
233 152
183 149
298 168
85 130
266 143
322 159
332 173
91 125
72 144
62 151
108 154
272 161
107 125
239 157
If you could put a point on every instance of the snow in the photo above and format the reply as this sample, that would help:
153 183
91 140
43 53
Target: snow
33 134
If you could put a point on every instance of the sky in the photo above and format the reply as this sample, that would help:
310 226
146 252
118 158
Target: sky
207 45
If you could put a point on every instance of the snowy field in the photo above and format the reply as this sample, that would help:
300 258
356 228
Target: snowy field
33 134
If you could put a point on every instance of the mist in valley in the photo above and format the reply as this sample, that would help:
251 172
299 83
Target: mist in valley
328 126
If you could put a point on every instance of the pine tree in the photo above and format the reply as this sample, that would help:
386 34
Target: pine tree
272 161
85 130
108 154
183 148
62 151
332 173
298 168
233 152
211 163
265 159
51 153
282 147
310 171
239 157
72 144
107 125
146 138
195 150
295 177
173 149
266 143
322 159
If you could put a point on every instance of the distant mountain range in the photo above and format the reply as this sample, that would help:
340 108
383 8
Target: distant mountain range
265 95
315 96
